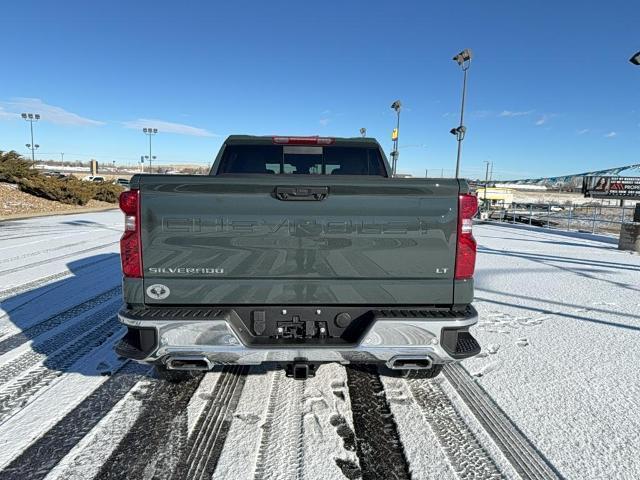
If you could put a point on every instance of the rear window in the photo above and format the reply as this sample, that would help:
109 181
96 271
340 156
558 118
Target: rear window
301 160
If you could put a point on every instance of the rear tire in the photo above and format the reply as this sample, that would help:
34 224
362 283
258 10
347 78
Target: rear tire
174 376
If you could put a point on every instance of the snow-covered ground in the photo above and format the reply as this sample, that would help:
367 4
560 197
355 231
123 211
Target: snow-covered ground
554 393
560 327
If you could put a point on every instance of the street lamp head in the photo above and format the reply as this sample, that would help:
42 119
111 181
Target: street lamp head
144 129
37 116
30 115
155 130
462 57
28 145
24 115
635 59
396 105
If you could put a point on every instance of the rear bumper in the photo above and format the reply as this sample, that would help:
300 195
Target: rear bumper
391 334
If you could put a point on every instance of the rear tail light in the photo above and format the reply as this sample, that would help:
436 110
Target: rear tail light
466 247
130 244
303 140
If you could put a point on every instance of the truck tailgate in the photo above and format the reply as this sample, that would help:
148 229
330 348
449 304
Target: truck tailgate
237 240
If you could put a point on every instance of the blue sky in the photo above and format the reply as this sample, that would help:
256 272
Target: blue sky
551 90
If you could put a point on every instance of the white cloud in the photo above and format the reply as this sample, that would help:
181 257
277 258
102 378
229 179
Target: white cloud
49 113
4 115
583 131
545 118
611 135
168 127
324 121
481 113
511 113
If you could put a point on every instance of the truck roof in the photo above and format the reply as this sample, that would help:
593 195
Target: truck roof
308 140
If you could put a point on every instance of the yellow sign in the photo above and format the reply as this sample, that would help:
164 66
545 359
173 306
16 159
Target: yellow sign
394 134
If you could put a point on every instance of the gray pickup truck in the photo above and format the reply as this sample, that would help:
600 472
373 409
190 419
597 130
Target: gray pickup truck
297 251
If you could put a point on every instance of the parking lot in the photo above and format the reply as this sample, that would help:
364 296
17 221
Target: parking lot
553 393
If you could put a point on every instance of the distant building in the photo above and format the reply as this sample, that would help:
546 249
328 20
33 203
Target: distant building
518 186
496 195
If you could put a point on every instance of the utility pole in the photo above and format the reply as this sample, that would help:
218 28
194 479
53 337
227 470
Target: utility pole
30 117
464 60
150 132
397 105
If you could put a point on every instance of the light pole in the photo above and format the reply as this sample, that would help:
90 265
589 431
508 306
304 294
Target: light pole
31 117
363 132
33 148
150 132
397 105
486 185
464 60
146 157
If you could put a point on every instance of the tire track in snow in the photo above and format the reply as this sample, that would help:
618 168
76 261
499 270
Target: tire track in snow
238 456
522 455
467 456
34 284
378 444
47 250
158 436
88 456
17 393
11 292
59 257
304 430
204 448
41 351
31 333
44 454
281 446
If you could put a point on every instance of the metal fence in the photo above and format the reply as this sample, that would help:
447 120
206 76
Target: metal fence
590 218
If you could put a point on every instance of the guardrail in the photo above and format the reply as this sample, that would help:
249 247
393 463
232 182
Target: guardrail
589 218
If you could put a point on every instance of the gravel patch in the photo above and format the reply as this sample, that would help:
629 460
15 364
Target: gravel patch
15 202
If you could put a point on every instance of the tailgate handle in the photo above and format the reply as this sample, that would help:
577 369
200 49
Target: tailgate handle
301 193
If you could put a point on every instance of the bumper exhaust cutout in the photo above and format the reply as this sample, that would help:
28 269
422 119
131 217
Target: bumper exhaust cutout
406 362
189 363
